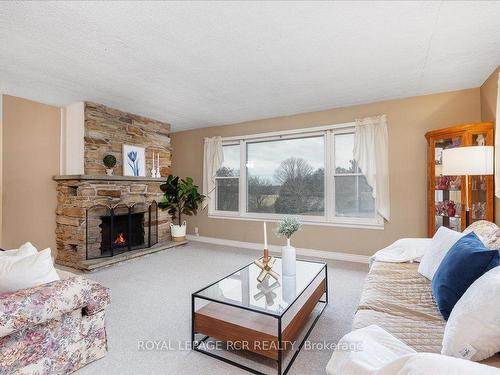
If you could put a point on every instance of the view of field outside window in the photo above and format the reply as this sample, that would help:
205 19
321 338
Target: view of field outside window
227 180
353 195
286 176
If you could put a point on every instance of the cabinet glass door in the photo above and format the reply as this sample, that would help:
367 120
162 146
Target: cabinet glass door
447 189
479 186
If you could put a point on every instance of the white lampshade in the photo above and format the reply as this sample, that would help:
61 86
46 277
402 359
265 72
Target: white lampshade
470 161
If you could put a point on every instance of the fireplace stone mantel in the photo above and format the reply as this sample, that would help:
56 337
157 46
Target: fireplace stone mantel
86 177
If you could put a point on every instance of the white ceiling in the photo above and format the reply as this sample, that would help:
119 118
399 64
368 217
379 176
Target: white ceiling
212 63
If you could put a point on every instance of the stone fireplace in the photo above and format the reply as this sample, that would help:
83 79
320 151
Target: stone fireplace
104 219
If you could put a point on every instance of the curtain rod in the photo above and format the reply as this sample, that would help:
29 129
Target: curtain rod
288 132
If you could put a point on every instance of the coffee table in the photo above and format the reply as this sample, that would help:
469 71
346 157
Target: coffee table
272 319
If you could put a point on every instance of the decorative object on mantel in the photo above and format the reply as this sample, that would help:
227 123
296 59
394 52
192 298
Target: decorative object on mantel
267 262
153 169
181 197
109 162
134 163
158 175
155 172
286 228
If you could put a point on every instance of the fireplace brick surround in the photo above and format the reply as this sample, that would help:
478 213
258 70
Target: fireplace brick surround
79 237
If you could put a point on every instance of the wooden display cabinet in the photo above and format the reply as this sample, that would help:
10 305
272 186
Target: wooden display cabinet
445 195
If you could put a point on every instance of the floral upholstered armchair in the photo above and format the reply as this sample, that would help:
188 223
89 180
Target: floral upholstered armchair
55 328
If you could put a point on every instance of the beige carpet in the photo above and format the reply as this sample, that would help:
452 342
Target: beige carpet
151 300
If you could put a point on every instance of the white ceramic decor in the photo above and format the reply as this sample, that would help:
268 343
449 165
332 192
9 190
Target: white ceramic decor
286 228
288 259
178 232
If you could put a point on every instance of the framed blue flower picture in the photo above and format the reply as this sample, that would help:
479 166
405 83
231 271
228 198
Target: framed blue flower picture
134 161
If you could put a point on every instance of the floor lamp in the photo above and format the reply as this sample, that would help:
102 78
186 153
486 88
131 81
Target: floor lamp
468 161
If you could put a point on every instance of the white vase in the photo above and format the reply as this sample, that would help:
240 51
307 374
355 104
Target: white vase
109 171
288 259
178 232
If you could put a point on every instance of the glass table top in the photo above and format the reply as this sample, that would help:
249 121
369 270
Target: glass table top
241 289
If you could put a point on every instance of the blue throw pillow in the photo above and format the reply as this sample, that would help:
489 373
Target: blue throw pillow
466 261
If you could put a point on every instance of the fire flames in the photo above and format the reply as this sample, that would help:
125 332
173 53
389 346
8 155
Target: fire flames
120 239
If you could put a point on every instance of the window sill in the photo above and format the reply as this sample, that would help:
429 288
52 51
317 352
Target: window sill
359 223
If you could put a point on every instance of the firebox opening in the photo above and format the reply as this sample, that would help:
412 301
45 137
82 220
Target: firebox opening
113 231
120 233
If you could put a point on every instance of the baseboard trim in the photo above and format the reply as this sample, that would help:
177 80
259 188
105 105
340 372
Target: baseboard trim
277 249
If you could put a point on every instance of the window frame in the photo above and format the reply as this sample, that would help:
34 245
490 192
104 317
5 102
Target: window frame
213 196
329 218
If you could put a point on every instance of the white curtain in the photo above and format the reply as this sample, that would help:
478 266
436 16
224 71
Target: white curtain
371 153
497 144
213 157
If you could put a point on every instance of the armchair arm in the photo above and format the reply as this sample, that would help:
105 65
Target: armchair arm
32 306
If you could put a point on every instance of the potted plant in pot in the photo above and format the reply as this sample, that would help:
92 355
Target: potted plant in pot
109 162
180 197
286 228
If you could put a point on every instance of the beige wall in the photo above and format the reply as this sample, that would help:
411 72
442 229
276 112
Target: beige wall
31 141
409 119
30 157
489 92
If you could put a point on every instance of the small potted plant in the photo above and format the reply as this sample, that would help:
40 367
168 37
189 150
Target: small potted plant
180 197
109 162
286 228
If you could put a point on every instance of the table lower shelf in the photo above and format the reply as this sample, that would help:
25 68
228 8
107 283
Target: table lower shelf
256 332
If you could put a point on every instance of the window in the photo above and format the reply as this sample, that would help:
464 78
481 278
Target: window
311 175
353 195
227 180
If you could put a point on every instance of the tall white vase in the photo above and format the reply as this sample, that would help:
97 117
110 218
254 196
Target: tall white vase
288 259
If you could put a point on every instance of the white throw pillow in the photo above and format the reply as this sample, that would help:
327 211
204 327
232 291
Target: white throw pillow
473 328
26 272
365 350
441 243
24 250
403 250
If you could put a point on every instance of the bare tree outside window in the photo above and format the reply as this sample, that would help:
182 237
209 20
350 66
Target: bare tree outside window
259 192
301 190
280 182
